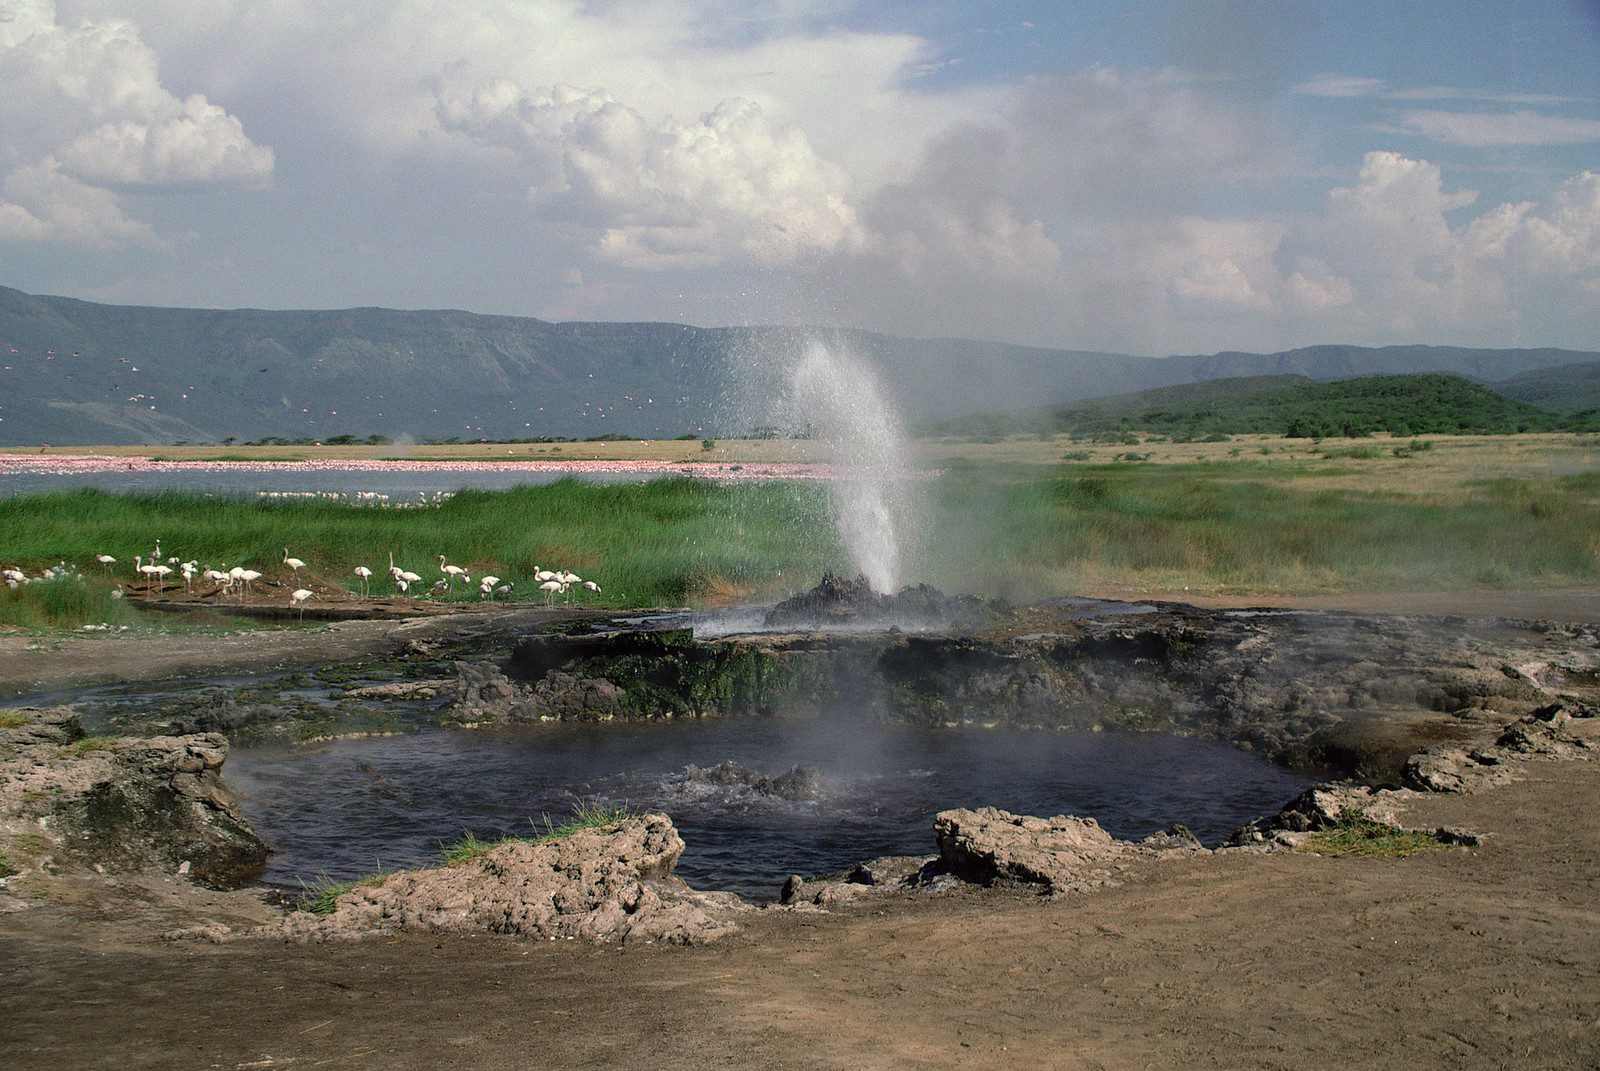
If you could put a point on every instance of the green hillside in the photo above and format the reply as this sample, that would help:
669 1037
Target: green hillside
1291 405
1566 388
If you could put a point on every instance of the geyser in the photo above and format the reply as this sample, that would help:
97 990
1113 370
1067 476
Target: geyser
839 398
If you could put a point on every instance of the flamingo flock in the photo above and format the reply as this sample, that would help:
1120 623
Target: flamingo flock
152 571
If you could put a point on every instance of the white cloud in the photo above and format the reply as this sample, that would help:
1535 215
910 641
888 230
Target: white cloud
38 203
1494 129
200 144
84 109
1340 85
667 193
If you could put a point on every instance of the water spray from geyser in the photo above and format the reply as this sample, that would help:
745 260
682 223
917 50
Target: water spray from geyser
838 396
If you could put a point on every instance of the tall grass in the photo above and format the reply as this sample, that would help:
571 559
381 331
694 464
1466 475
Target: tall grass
64 603
1018 530
664 542
1245 526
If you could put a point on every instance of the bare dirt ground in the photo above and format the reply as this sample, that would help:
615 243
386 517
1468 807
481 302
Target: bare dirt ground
1456 958
34 664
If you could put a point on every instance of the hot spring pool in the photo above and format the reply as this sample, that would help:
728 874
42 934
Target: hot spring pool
345 808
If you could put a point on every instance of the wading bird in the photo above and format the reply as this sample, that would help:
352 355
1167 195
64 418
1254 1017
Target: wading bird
105 560
550 587
297 598
294 563
453 571
364 575
248 576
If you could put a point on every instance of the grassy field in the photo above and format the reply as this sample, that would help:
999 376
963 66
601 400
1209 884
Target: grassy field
1021 518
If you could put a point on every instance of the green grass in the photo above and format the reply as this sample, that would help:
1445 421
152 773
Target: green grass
320 895
663 542
90 743
1251 525
12 720
588 815
1359 835
1261 524
63 603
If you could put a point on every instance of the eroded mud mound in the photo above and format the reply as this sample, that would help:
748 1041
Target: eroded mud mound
607 884
838 601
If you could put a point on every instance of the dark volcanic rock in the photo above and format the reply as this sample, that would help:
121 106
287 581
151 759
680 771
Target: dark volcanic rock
837 601
606 884
125 803
482 693
800 783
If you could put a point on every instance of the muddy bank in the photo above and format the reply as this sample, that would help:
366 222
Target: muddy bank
31 665
1339 692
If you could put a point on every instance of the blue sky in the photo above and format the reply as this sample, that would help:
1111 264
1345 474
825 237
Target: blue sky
1143 177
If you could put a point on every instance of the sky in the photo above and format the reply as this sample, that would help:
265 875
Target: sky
1142 177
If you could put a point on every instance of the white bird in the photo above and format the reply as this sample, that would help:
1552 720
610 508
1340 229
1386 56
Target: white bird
453 570
294 563
592 586
439 587
364 574
106 560
410 577
298 597
394 570
148 571
248 576
550 587
544 575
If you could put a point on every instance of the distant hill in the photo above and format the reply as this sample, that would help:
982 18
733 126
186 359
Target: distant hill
1291 405
1565 388
77 372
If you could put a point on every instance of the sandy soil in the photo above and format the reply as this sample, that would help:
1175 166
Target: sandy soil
1458 958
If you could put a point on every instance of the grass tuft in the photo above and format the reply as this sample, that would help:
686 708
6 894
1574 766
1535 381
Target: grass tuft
321 895
10 719
1359 835
589 814
90 743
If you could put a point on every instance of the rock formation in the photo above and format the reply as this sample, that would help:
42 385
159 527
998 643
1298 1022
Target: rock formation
123 803
612 883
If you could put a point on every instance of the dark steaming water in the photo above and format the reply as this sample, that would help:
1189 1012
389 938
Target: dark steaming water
347 807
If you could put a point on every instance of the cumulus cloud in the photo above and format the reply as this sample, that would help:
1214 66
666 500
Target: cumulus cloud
668 192
84 112
38 203
1387 258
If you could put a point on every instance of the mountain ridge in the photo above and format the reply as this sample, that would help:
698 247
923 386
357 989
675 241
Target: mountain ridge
83 372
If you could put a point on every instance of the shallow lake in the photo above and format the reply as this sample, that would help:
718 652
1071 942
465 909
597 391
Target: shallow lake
345 808
400 486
